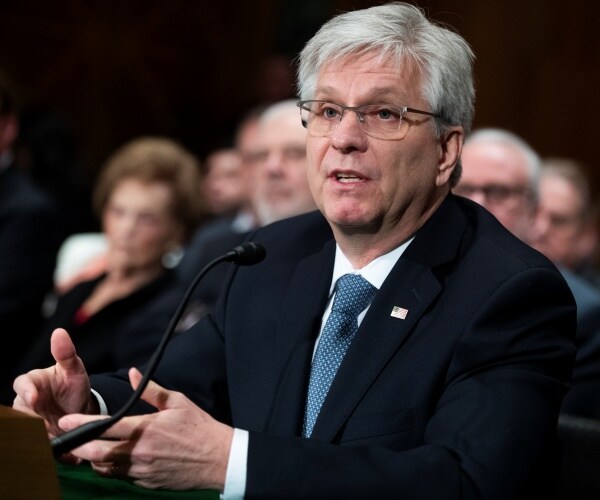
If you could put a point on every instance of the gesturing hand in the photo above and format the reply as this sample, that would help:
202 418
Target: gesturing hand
179 447
57 390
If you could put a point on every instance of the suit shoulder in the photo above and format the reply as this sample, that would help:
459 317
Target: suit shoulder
496 240
308 231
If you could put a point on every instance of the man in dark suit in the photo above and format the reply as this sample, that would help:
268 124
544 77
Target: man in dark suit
30 233
452 382
502 173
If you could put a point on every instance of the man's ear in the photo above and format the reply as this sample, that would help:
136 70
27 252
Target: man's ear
450 149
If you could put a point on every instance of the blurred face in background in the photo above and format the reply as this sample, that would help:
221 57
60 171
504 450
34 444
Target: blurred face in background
282 188
562 231
225 186
139 225
495 175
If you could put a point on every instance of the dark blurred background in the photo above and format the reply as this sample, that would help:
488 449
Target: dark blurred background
93 74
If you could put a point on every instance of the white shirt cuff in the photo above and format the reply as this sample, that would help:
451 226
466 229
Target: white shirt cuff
101 403
235 478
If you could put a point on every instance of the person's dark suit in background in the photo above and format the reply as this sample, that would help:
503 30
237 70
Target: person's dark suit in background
30 234
452 385
502 173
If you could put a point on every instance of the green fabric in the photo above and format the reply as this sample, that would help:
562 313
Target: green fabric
79 482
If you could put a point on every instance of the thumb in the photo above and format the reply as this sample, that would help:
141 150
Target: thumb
154 394
63 351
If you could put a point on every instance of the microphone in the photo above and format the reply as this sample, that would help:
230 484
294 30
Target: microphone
246 254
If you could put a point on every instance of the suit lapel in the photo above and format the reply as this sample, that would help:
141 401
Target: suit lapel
413 285
300 322
378 338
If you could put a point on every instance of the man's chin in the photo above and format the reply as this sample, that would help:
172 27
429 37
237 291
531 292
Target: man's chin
354 224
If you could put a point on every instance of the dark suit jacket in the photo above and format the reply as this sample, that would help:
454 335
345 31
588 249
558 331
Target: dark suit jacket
458 400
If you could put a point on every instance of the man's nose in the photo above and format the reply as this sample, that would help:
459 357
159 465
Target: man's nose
348 132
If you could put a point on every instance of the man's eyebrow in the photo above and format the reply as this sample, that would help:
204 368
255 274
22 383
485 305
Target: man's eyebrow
385 94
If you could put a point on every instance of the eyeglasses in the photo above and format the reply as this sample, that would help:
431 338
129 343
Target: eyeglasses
380 121
494 193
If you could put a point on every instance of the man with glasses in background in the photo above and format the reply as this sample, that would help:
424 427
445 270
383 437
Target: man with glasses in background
500 172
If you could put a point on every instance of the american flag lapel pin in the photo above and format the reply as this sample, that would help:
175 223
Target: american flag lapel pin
399 312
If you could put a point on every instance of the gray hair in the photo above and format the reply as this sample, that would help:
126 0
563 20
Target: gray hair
533 160
401 32
279 108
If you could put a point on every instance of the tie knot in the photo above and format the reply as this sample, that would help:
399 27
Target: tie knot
353 294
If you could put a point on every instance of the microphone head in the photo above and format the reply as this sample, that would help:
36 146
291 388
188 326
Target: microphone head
247 254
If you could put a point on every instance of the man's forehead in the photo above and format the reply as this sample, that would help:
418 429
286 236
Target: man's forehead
379 61
496 157
559 189
369 73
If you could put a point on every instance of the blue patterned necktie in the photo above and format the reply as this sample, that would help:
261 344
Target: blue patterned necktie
353 295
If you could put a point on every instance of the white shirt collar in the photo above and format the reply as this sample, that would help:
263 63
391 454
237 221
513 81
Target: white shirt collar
375 272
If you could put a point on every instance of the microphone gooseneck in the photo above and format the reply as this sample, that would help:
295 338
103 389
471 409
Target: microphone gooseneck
246 254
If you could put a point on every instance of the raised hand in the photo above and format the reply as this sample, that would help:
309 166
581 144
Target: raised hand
57 390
